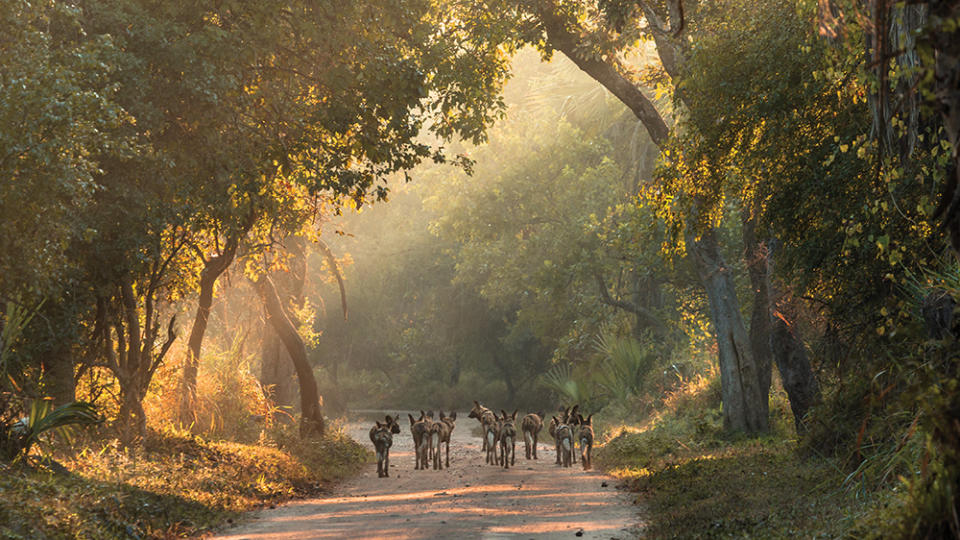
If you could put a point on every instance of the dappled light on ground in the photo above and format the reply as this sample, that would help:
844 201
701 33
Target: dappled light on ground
468 500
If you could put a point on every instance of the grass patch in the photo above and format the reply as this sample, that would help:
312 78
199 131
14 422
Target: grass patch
696 482
173 485
754 489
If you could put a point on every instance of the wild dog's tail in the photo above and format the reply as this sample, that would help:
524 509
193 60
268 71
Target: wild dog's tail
436 440
566 443
509 440
527 438
489 439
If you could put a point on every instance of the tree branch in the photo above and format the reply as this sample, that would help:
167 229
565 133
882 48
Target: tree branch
641 311
607 74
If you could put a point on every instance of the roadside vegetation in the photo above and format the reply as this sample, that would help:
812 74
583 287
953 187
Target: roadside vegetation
173 484
729 228
691 479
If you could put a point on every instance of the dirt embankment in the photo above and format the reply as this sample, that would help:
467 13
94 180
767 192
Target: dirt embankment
470 499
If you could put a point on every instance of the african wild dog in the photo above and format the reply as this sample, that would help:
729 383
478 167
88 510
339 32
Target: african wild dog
449 423
531 425
484 416
420 430
564 436
439 431
573 420
552 429
431 423
586 439
381 435
491 436
508 438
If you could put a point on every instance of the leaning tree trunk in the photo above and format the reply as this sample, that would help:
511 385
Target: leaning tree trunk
312 416
212 270
277 374
743 399
795 371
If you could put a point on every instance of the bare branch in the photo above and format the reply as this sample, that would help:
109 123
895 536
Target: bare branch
641 311
335 270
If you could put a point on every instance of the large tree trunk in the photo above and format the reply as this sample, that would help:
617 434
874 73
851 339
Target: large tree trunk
795 371
133 423
758 266
744 408
212 270
312 416
58 371
771 336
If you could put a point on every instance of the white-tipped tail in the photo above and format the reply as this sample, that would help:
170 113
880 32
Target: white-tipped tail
489 439
566 444
436 440
527 438
509 440
583 443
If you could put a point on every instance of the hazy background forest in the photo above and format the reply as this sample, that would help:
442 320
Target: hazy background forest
724 227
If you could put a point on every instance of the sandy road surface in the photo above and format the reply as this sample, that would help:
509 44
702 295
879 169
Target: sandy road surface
536 499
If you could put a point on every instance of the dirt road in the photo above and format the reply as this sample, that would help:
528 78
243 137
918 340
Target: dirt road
536 499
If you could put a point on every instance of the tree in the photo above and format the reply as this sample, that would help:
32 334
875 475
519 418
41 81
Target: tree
580 31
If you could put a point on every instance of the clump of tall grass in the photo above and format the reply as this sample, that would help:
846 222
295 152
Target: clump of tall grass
231 403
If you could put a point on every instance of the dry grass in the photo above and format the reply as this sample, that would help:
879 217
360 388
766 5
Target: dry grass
173 485
696 482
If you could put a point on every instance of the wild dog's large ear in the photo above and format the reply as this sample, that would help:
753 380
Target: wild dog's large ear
412 421
540 414
396 419
430 413
589 419
514 415
422 414
555 420
453 415
378 425
475 402
503 413
389 420
574 410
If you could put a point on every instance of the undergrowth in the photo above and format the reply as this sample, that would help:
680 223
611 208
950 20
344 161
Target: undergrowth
172 485
695 481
